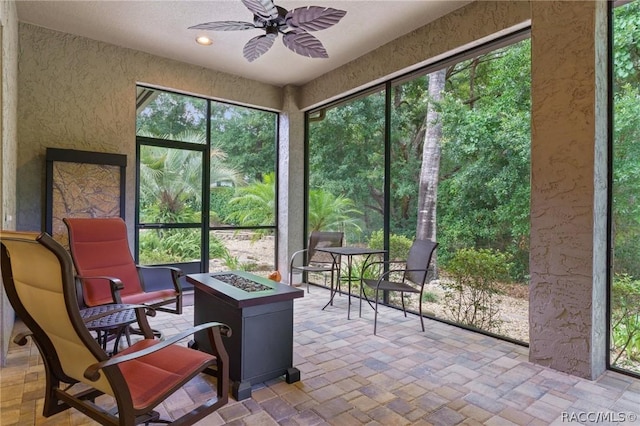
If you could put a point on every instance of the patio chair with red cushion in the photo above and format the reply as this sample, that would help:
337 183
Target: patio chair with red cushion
38 277
108 273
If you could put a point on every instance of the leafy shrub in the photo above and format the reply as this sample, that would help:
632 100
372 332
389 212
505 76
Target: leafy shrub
625 317
219 207
176 245
472 295
399 245
231 262
430 297
169 245
217 249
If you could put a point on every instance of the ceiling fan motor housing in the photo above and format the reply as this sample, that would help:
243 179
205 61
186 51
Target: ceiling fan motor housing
278 24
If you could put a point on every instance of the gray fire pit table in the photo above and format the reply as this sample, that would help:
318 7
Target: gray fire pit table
260 314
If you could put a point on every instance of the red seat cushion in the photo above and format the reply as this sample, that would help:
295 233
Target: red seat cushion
152 376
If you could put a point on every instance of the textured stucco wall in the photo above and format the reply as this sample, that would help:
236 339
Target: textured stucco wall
463 27
77 93
290 180
9 147
568 193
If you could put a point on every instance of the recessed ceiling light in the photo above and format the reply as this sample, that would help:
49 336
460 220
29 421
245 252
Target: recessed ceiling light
204 41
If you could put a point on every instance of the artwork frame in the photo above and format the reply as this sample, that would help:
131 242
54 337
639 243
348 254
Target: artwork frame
82 184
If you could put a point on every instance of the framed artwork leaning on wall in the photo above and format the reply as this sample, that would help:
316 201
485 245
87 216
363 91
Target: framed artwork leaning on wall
82 184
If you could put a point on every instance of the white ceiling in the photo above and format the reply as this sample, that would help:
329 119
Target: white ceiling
160 27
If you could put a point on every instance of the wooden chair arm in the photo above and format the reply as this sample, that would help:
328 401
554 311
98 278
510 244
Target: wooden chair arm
92 372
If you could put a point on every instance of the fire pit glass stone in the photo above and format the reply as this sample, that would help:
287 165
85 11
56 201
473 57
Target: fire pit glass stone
241 282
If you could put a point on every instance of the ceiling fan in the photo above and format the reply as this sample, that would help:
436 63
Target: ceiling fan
294 25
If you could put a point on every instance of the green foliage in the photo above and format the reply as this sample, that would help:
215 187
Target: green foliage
219 206
330 213
217 249
399 245
175 245
484 190
430 297
247 137
625 292
172 114
242 147
407 140
625 317
626 149
472 294
346 158
626 41
254 204
170 185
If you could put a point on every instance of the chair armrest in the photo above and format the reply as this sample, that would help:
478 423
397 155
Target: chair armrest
176 273
92 372
21 338
403 270
380 262
115 283
295 254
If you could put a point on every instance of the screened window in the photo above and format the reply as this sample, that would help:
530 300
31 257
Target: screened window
625 220
206 183
442 154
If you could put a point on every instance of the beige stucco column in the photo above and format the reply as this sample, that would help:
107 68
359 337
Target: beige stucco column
290 179
8 149
568 191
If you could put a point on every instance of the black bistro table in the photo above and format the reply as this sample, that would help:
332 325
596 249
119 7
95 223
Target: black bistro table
260 314
349 253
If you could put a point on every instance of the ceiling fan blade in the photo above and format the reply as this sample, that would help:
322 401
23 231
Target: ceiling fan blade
224 26
305 44
258 46
313 18
262 8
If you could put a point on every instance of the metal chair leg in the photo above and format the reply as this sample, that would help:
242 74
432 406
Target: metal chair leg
375 315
